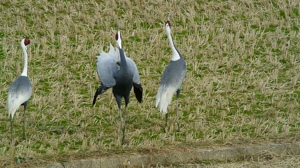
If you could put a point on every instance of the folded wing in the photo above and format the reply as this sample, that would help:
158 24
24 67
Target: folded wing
137 87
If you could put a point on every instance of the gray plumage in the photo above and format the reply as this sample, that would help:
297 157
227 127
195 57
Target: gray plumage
120 73
134 71
18 93
107 67
172 78
170 83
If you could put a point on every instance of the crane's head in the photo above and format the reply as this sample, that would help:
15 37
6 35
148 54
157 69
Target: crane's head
168 27
25 42
168 23
118 39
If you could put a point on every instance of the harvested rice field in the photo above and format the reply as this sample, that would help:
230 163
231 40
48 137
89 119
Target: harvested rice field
241 87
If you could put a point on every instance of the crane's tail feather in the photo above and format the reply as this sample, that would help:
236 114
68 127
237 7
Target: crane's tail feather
14 103
101 89
138 91
157 100
164 98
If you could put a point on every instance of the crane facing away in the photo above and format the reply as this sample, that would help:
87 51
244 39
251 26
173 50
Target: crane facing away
19 91
171 80
120 73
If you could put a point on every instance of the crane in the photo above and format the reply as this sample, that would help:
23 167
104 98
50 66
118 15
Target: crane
120 73
20 90
172 79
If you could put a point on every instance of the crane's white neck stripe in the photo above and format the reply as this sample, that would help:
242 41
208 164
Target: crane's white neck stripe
119 41
24 73
175 54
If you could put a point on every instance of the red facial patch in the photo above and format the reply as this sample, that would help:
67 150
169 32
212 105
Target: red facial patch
169 23
26 41
117 37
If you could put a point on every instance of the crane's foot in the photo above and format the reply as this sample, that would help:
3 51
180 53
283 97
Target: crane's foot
123 142
166 125
178 127
165 129
24 136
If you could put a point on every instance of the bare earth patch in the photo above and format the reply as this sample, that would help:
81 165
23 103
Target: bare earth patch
261 155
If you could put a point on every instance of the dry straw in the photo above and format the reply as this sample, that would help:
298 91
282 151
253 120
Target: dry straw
241 86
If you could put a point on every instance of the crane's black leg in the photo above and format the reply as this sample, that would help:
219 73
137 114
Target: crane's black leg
11 128
124 124
166 122
11 143
24 124
122 127
126 98
178 117
119 100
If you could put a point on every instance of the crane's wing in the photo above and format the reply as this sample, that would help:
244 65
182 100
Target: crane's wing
18 93
138 92
131 64
137 87
111 53
170 83
114 53
106 68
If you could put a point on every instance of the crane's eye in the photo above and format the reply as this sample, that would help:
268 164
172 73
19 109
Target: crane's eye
26 41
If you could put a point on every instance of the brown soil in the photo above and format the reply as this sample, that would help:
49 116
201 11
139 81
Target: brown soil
262 155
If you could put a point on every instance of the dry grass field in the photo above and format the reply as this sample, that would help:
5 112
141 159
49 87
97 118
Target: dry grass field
242 82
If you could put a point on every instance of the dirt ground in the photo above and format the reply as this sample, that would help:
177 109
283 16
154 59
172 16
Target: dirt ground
282 162
260 155
276 161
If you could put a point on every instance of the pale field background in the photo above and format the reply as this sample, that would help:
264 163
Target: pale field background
241 87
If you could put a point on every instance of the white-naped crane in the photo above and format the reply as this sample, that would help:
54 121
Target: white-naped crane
171 80
120 73
19 91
